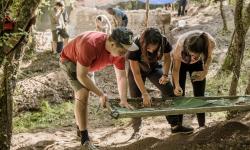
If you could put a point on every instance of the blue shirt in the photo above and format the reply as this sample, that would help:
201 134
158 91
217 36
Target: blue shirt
119 13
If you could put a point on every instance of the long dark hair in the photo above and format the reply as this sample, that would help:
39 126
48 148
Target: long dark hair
150 36
197 43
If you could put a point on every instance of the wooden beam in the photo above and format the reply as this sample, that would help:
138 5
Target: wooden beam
147 12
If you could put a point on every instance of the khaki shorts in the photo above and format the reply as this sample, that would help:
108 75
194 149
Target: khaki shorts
69 69
62 32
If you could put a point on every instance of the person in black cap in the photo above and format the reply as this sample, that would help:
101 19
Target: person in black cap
90 52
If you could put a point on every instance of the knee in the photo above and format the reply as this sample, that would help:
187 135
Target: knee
82 96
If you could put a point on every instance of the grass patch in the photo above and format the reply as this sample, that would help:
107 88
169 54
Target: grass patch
220 85
49 116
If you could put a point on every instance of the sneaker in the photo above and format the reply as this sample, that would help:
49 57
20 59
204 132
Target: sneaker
88 146
181 129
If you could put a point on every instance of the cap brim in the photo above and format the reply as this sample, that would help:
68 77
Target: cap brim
132 47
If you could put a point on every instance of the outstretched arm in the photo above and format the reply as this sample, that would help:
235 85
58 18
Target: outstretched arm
139 82
122 87
82 76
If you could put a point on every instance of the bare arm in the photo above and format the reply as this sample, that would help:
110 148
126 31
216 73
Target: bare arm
139 82
176 70
211 47
119 21
122 87
56 14
176 65
137 75
166 63
82 76
121 83
115 21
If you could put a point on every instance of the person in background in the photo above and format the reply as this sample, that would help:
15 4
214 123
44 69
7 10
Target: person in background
182 7
68 8
167 6
8 24
58 26
103 24
145 63
119 17
193 54
90 52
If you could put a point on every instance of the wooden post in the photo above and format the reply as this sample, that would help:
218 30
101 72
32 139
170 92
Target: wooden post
147 11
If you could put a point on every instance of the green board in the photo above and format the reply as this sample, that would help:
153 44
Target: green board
179 105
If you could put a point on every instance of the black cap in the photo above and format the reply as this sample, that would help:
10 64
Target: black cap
124 36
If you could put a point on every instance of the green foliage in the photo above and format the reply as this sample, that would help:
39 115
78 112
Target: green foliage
44 5
198 1
30 48
233 2
5 39
49 116
15 9
219 85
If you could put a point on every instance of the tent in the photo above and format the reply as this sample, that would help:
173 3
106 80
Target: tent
158 2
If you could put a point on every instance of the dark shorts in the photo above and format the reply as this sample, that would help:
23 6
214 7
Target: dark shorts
125 21
59 32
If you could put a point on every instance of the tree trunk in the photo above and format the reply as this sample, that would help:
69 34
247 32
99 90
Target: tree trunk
248 87
240 46
6 105
229 61
10 65
223 16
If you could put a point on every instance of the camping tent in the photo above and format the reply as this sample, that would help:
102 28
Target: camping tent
158 2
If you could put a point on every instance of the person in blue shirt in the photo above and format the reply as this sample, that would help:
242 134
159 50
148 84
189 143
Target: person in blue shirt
182 7
119 17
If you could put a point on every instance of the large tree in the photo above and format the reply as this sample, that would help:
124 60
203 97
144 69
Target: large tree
24 12
242 21
230 60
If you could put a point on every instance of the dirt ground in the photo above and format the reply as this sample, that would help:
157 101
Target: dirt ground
154 132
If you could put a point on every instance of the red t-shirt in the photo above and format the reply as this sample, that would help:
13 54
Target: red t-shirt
89 50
